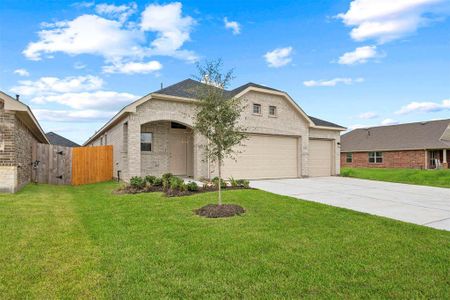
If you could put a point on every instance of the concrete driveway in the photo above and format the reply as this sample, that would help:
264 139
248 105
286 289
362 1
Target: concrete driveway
421 205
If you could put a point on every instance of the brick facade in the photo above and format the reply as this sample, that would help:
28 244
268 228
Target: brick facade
415 159
16 143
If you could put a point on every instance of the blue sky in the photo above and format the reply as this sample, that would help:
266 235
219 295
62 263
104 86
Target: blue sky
356 63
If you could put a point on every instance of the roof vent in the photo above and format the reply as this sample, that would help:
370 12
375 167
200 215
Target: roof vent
423 123
17 97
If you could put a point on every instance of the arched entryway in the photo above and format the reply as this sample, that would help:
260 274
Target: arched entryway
166 146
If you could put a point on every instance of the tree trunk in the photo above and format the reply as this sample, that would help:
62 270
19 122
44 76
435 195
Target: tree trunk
220 181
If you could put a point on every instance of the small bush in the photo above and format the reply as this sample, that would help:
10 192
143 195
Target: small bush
192 186
166 180
176 183
183 187
215 181
233 182
157 182
137 182
150 179
243 183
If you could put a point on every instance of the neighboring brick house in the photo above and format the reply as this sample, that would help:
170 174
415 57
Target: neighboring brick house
420 145
19 133
155 135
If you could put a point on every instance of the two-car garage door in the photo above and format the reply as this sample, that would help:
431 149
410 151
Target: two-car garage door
265 156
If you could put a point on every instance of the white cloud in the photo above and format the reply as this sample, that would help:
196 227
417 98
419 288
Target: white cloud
46 85
332 82
88 34
72 115
368 115
111 35
359 56
78 92
133 67
233 25
88 100
119 12
388 122
172 29
22 72
279 57
425 107
387 20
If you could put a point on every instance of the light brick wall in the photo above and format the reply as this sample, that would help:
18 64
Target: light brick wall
391 159
24 140
156 162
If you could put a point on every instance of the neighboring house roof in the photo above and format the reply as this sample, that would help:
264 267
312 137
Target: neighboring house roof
56 139
24 113
187 90
410 136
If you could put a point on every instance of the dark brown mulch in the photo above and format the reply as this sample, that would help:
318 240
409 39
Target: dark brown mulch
128 189
220 211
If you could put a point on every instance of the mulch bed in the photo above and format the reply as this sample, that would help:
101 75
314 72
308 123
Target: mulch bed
220 211
128 189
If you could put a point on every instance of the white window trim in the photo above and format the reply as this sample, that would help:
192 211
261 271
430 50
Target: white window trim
253 109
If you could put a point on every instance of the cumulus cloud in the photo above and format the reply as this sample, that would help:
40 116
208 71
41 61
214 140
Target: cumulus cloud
77 92
332 82
368 115
279 57
22 72
359 56
119 12
133 67
88 100
172 28
233 25
425 107
386 20
72 115
45 85
88 34
109 33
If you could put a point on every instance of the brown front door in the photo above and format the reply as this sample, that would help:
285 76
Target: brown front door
178 152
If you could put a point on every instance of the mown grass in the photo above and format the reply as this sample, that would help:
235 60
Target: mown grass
85 242
438 178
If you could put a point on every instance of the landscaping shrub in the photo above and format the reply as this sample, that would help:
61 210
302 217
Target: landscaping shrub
158 181
215 181
166 180
137 182
175 183
243 183
192 186
150 179
233 182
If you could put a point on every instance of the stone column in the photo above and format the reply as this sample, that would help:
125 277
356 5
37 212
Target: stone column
444 159
134 147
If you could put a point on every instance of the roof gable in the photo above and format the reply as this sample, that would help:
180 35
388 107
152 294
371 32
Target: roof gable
410 136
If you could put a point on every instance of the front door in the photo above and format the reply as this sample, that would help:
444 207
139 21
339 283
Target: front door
178 152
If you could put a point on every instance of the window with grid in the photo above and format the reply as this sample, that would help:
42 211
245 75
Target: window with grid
375 157
272 110
256 108
349 158
146 141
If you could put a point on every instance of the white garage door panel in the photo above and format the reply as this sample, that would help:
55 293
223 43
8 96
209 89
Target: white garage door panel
320 158
264 156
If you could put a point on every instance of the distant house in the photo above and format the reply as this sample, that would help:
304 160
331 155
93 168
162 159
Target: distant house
19 134
56 139
422 145
155 135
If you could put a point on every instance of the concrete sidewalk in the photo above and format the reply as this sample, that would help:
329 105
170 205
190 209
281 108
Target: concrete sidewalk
428 206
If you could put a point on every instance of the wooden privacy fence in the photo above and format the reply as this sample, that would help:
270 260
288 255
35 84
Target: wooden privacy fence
64 165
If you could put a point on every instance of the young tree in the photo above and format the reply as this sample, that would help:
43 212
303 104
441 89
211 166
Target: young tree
218 115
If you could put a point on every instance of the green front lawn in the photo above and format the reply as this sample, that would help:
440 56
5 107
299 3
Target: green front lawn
85 242
438 178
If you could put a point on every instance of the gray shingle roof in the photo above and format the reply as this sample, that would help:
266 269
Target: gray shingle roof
411 136
188 88
56 139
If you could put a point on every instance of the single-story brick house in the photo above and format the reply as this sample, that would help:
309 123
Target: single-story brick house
19 133
154 135
420 145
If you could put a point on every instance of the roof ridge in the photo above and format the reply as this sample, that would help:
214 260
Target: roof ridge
401 124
